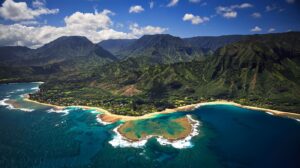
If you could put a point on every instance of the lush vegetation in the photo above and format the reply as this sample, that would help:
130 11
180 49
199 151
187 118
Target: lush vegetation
259 70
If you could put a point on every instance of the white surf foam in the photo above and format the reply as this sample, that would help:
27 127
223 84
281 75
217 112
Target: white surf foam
38 82
25 109
101 121
120 141
20 90
11 107
182 143
65 111
94 111
35 88
197 106
3 102
23 95
298 120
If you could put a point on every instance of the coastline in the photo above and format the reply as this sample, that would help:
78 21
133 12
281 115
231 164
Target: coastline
109 117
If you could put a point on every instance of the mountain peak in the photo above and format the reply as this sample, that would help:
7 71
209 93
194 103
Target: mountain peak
70 40
159 36
159 40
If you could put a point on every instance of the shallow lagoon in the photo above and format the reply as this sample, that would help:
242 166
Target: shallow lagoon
228 137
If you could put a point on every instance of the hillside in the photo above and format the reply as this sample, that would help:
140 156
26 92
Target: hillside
211 43
262 70
13 53
161 49
66 55
116 45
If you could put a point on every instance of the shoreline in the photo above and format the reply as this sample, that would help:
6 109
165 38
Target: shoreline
109 117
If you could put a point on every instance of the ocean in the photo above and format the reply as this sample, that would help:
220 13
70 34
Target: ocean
227 136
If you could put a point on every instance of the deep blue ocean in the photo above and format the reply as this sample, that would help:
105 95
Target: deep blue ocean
229 136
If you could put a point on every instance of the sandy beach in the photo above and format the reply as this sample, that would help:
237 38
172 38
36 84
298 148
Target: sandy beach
109 117
26 98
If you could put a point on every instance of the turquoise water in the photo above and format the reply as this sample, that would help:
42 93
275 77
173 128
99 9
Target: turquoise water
228 137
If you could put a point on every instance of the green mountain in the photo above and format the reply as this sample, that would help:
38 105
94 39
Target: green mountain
211 43
161 49
13 53
73 55
261 70
66 48
116 45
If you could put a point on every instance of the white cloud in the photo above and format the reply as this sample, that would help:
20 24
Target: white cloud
271 7
151 4
172 3
256 29
38 3
89 21
231 14
256 15
194 19
290 1
136 9
17 11
95 26
136 30
195 1
271 30
230 11
245 5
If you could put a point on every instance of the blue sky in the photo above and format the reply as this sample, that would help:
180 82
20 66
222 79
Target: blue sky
184 18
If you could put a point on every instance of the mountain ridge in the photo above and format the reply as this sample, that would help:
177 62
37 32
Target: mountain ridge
262 71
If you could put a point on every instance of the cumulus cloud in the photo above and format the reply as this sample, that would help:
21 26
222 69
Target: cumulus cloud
230 11
173 3
290 1
194 19
136 30
95 26
89 21
231 14
256 29
271 30
17 11
256 15
136 9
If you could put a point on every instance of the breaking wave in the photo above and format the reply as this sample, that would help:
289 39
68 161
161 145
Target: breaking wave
182 143
11 107
101 121
35 88
64 111
120 141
